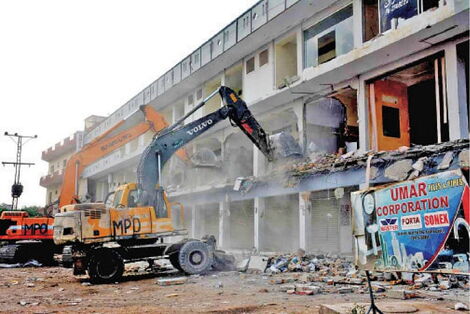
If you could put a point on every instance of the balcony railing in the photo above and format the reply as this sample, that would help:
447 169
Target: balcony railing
52 179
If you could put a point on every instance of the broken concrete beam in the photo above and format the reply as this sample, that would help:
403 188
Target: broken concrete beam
446 161
172 281
399 170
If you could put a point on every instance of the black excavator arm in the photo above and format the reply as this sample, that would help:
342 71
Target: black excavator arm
169 140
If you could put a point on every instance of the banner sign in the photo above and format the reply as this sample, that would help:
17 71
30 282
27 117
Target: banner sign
390 9
417 225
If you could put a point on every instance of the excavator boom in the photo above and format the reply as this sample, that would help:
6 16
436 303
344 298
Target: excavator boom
166 143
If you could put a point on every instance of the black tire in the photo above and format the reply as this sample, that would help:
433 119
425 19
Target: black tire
105 266
195 257
174 260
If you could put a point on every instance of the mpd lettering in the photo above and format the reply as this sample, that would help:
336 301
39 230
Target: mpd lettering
35 228
126 225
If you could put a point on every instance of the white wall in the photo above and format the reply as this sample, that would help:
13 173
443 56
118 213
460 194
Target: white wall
260 82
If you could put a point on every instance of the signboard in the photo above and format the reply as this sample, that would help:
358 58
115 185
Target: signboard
417 225
395 9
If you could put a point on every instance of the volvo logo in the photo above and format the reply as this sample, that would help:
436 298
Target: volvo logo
200 127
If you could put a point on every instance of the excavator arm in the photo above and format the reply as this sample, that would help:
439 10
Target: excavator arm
166 143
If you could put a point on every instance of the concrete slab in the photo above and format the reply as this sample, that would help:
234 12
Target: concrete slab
386 307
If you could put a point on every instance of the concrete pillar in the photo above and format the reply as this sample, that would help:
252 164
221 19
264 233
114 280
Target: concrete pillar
363 115
357 23
258 169
224 224
260 206
299 110
304 218
456 94
194 223
300 51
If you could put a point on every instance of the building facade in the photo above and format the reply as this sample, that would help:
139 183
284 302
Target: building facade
339 76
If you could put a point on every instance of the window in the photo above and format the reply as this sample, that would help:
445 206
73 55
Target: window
199 93
190 99
329 38
250 65
391 121
132 199
117 198
326 47
263 57
64 163
51 169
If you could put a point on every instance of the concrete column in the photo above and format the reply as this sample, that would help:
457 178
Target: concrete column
260 205
456 94
194 223
300 52
304 218
258 169
363 115
358 17
299 112
224 224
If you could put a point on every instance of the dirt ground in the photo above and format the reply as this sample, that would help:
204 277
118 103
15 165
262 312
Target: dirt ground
56 290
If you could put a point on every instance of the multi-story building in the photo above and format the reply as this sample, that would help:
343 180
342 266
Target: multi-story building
339 75
57 157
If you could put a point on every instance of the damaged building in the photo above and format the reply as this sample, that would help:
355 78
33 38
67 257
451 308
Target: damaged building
342 77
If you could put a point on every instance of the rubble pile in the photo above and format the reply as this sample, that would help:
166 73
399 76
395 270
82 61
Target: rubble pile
309 274
424 155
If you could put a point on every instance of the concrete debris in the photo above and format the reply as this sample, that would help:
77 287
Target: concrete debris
243 265
401 294
460 307
285 146
399 170
244 185
257 264
464 159
30 263
416 160
446 161
223 261
172 281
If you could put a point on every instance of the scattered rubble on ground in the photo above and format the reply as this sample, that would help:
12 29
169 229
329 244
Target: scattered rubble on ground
308 274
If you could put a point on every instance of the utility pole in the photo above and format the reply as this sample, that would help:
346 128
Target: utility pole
17 188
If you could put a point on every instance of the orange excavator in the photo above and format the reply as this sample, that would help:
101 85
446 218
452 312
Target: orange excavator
32 237
105 144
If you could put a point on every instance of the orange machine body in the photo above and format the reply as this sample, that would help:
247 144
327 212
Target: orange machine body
17 225
103 145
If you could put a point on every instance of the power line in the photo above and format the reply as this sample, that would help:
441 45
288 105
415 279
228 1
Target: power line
17 187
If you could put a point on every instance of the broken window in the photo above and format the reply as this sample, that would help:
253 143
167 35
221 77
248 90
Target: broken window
263 57
329 38
250 65
409 106
234 78
326 47
285 52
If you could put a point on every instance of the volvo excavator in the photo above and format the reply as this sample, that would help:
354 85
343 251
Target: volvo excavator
27 238
133 224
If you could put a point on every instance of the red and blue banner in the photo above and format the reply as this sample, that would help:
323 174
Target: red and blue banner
416 225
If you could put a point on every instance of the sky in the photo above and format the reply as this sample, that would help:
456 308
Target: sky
63 60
